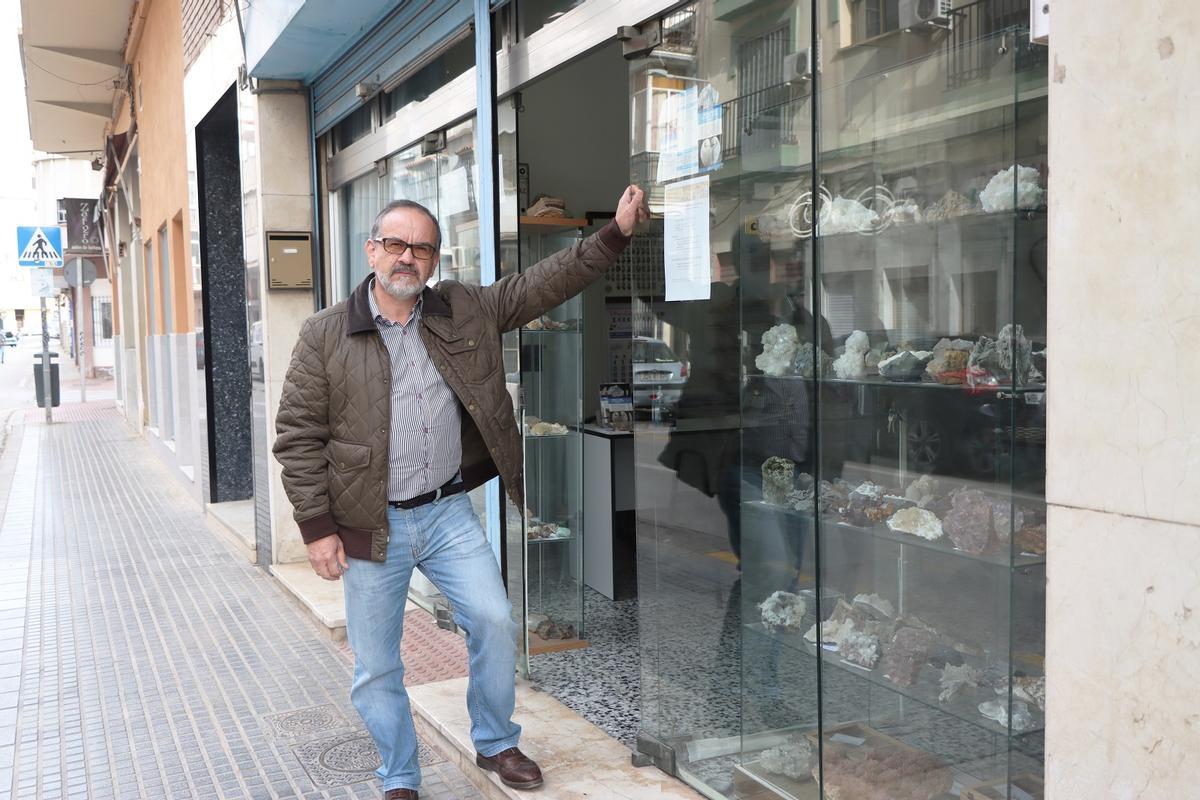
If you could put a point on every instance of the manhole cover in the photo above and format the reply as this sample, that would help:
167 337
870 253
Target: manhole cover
307 721
348 758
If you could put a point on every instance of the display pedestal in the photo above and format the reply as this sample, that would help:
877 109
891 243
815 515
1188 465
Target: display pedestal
610 549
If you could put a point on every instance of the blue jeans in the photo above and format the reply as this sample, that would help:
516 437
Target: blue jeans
445 541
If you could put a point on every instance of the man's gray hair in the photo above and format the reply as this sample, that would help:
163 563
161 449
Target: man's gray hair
398 205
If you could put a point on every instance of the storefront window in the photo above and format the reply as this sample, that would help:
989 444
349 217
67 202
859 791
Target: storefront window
354 127
443 68
841 518
359 201
533 15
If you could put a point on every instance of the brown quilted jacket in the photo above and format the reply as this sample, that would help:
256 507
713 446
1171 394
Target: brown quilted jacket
332 429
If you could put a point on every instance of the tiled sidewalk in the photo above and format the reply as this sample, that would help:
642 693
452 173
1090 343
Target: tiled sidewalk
140 659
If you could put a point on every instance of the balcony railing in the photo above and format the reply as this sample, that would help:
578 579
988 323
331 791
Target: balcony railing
967 61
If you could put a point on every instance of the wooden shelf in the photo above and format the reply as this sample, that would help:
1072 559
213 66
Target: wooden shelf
555 222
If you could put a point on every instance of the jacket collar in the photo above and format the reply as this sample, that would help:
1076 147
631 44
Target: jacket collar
358 307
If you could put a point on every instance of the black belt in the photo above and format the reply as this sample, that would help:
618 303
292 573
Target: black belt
445 490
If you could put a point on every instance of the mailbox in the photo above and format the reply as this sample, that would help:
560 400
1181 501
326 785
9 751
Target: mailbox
289 260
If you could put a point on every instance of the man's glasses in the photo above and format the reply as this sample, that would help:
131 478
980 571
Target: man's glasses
397 247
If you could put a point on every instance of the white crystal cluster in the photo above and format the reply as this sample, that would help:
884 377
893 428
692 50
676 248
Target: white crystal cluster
778 478
783 611
844 215
955 678
779 351
792 759
917 521
922 491
875 605
852 363
1022 718
998 195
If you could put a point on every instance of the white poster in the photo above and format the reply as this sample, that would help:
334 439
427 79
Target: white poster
680 153
686 240
42 283
455 194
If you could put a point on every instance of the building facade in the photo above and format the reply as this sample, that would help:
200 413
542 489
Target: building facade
839 535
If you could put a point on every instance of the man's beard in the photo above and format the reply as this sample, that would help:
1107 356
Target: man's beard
398 290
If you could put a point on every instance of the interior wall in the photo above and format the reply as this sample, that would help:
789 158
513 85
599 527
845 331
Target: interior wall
574 135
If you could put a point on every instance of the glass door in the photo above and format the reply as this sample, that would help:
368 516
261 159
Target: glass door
841 524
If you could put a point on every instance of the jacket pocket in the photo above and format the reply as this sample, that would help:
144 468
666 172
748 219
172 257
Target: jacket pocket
347 456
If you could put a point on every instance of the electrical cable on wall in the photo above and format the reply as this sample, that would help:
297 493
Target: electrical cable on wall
109 79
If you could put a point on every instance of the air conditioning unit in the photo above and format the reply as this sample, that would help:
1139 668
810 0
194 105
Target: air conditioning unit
918 14
798 67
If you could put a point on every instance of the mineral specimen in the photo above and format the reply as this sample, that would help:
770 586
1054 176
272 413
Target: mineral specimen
875 606
969 523
783 612
950 206
844 612
954 679
1015 352
922 490
792 759
906 655
852 363
1032 539
833 496
1031 689
801 499
777 480
1005 521
906 366
845 215
545 428
886 773
902 211
916 521
778 355
1022 718
833 633
804 361
949 358
998 195
860 648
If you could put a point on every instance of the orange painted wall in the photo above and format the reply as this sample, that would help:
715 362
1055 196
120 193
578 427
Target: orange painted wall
162 148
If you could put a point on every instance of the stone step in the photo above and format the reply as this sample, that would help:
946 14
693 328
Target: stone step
578 760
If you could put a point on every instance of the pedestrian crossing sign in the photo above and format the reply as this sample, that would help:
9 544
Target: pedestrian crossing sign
39 247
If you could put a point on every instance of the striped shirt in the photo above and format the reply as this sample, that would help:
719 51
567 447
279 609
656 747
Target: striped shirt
425 450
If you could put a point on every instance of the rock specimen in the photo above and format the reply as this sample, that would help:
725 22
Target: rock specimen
801 500
1006 519
777 480
916 521
833 633
783 612
545 428
906 655
886 773
1016 184
852 363
778 355
804 361
1032 539
951 205
1029 689
954 679
906 366
901 212
969 523
792 759
1022 718
949 360
844 215
922 491
860 648
1015 352
833 496
874 606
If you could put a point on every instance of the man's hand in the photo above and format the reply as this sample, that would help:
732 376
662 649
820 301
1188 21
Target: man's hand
631 210
327 557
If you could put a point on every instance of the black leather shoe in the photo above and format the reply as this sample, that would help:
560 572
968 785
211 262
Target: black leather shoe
514 768
400 794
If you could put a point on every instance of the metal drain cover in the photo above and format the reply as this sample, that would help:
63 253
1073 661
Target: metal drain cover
347 758
307 721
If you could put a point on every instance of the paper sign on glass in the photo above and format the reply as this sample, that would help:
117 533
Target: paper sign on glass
685 240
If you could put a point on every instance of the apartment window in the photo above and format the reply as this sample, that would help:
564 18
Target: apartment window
102 320
879 17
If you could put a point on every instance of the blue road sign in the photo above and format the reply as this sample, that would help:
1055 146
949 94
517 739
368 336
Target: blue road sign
39 246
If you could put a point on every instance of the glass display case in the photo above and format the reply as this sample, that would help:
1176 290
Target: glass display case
551 378
864 415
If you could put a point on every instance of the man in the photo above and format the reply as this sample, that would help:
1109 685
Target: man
394 406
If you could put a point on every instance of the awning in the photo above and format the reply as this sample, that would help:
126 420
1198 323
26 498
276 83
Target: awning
72 56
